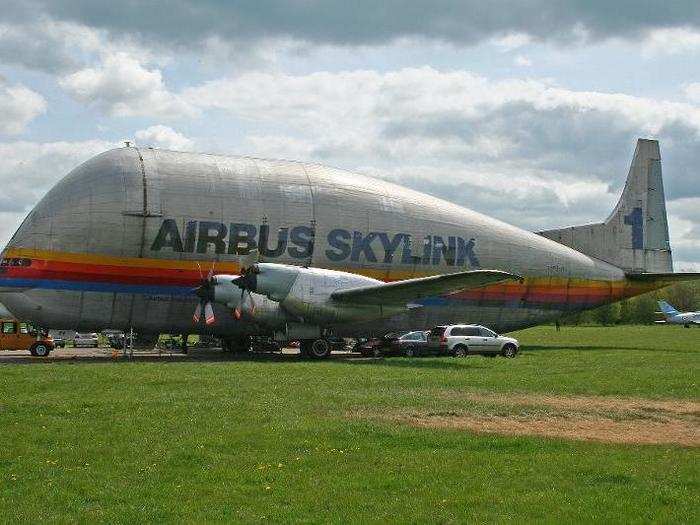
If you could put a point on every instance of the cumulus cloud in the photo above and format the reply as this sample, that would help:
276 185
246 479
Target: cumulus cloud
163 137
414 114
122 86
692 92
19 105
671 40
522 61
58 47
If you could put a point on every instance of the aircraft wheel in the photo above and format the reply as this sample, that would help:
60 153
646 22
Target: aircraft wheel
317 348
509 351
460 351
40 350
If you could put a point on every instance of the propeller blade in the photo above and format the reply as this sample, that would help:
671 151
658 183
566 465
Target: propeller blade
197 313
201 276
211 271
238 309
249 259
252 303
209 313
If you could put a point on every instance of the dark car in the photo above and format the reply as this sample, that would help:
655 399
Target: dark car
378 346
412 344
59 342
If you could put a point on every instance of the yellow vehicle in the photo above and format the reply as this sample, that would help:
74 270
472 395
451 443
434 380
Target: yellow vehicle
18 335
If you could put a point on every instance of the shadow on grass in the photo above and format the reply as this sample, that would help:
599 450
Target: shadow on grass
217 356
592 348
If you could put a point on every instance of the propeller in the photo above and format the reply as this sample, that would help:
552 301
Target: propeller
205 292
247 282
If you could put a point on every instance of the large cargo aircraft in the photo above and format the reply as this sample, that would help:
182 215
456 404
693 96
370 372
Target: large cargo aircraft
141 237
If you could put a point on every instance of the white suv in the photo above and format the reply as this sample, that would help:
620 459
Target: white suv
464 339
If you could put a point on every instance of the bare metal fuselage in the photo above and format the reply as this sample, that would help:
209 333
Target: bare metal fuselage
116 242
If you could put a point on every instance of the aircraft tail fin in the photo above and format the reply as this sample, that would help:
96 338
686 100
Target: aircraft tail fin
667 309
635 235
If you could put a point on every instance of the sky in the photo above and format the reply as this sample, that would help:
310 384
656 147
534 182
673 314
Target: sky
525 111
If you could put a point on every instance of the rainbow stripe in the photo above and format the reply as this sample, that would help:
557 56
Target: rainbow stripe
102 273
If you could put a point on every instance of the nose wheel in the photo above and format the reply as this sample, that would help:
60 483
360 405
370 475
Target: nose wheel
316 348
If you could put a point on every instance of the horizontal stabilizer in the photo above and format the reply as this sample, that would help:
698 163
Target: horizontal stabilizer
663 278
402 292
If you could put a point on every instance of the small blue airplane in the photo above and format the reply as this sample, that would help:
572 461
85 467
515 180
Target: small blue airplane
673 316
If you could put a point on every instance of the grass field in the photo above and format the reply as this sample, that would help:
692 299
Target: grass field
364 440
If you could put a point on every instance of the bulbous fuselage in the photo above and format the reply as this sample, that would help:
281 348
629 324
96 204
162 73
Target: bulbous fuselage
116 244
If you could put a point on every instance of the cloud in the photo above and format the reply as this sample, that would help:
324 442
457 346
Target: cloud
684 226
59 48
121 86
161 136
671 41
413 114
522 61
335 22
511 41
692 92
19 105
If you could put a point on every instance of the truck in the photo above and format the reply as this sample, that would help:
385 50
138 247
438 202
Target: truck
20 335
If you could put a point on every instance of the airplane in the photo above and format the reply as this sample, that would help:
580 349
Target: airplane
673 316
170 242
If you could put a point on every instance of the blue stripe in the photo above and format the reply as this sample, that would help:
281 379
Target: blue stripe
86 286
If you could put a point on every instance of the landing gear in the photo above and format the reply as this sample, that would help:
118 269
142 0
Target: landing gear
236 345
184 343
316 348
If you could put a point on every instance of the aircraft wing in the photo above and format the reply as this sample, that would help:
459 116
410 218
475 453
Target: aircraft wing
402 292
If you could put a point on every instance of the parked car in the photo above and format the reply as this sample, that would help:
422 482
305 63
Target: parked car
58 341
86 340
465 339
412 344
377 346
116 340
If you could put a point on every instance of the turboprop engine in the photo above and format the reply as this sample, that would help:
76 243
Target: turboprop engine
303 293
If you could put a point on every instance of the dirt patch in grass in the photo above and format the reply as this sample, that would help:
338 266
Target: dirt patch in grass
674 431
584 403
604 419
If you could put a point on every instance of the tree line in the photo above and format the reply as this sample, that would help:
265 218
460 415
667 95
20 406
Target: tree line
641 309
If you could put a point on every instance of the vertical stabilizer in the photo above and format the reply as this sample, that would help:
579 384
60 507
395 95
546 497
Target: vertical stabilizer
635 235
667 309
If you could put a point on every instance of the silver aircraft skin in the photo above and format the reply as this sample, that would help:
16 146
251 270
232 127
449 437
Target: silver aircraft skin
127 238
673 316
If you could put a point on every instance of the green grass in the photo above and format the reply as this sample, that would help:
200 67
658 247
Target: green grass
272 440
